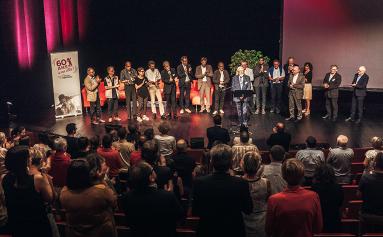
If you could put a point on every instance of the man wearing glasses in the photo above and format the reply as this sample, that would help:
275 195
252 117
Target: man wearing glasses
331 83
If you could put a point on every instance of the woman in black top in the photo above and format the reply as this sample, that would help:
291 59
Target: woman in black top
142 94
308 90
26 195
331 197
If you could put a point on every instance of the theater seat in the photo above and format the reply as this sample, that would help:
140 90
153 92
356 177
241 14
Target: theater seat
185 233
373 235
334 235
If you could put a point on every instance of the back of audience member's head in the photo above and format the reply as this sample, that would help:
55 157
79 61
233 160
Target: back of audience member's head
132 128
94 143
141 141
122 132
311 142
216 142
342 141
60 144
149 133
149 152
164 128
78 176
107 141
324 174
3 139
244 137
251 163
221 157
17 159
71 128
293 171
114 135
18 131
378 163
277 153
43 138
141 176
280 127
376 143
181 145
83 143
217 119
96 170
243 128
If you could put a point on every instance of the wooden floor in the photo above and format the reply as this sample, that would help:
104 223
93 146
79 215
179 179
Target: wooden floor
195 124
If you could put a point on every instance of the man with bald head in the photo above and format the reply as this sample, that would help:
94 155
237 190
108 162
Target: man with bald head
359 85
279 137
340 160
296 84
184 164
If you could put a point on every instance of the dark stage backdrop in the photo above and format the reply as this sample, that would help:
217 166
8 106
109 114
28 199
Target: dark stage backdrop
343 32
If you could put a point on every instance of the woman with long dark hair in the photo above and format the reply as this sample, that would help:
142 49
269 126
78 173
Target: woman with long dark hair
308 89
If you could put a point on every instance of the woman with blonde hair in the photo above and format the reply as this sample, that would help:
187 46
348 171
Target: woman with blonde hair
259 191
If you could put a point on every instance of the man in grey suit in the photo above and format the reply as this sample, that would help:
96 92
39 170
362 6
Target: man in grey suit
204 75
331 83
295 84
261 76
127 76
241 82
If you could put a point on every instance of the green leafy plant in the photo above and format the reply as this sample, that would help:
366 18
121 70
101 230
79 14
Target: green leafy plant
250 56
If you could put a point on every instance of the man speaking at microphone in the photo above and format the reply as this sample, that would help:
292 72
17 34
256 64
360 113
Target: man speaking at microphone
241 82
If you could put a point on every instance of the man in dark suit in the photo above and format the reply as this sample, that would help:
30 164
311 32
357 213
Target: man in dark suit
296 84
169 77
331 83
127 76
220 79
149 211
184 165
241 82
217 133
261 71
279 137
220 199
359 85
185 75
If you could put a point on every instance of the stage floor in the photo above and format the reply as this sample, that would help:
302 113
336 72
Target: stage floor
195 124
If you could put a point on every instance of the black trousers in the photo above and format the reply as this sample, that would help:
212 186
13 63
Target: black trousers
219 98
113 107
95 108
171 102
332 107
276 95
142 105
185 96
357 104
131 96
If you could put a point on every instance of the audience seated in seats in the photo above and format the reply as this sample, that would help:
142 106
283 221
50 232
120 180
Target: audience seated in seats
112 157
88 207
279 137
259 191
237 140
135 156
83 147
217 132
184 164
219 199
149 134
311 158
43 144
166 143
369 158
26 196
94 143
273 171
370 189
204 168
164 175
294 211
72 140
124 147
240 149
134 133
340 159
19 137
58 163
331 197
149 211
3 153
98 170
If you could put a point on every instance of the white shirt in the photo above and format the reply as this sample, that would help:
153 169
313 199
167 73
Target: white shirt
204 79
186 72
241 81
331 76
249 72
221 79
295 78
154 75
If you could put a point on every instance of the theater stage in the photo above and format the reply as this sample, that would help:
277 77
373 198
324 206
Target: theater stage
195 124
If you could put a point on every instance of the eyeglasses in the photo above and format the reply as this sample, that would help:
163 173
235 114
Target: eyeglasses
141 71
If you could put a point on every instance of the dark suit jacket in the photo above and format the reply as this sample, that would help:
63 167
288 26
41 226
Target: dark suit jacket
333 90
361 87
184 165
219 200
126 76
282 138
217 133
199 76
298 86
169 86
151 212
258 75
182 75
217 76
235 85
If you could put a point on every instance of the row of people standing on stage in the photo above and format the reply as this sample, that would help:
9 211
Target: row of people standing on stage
140 85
